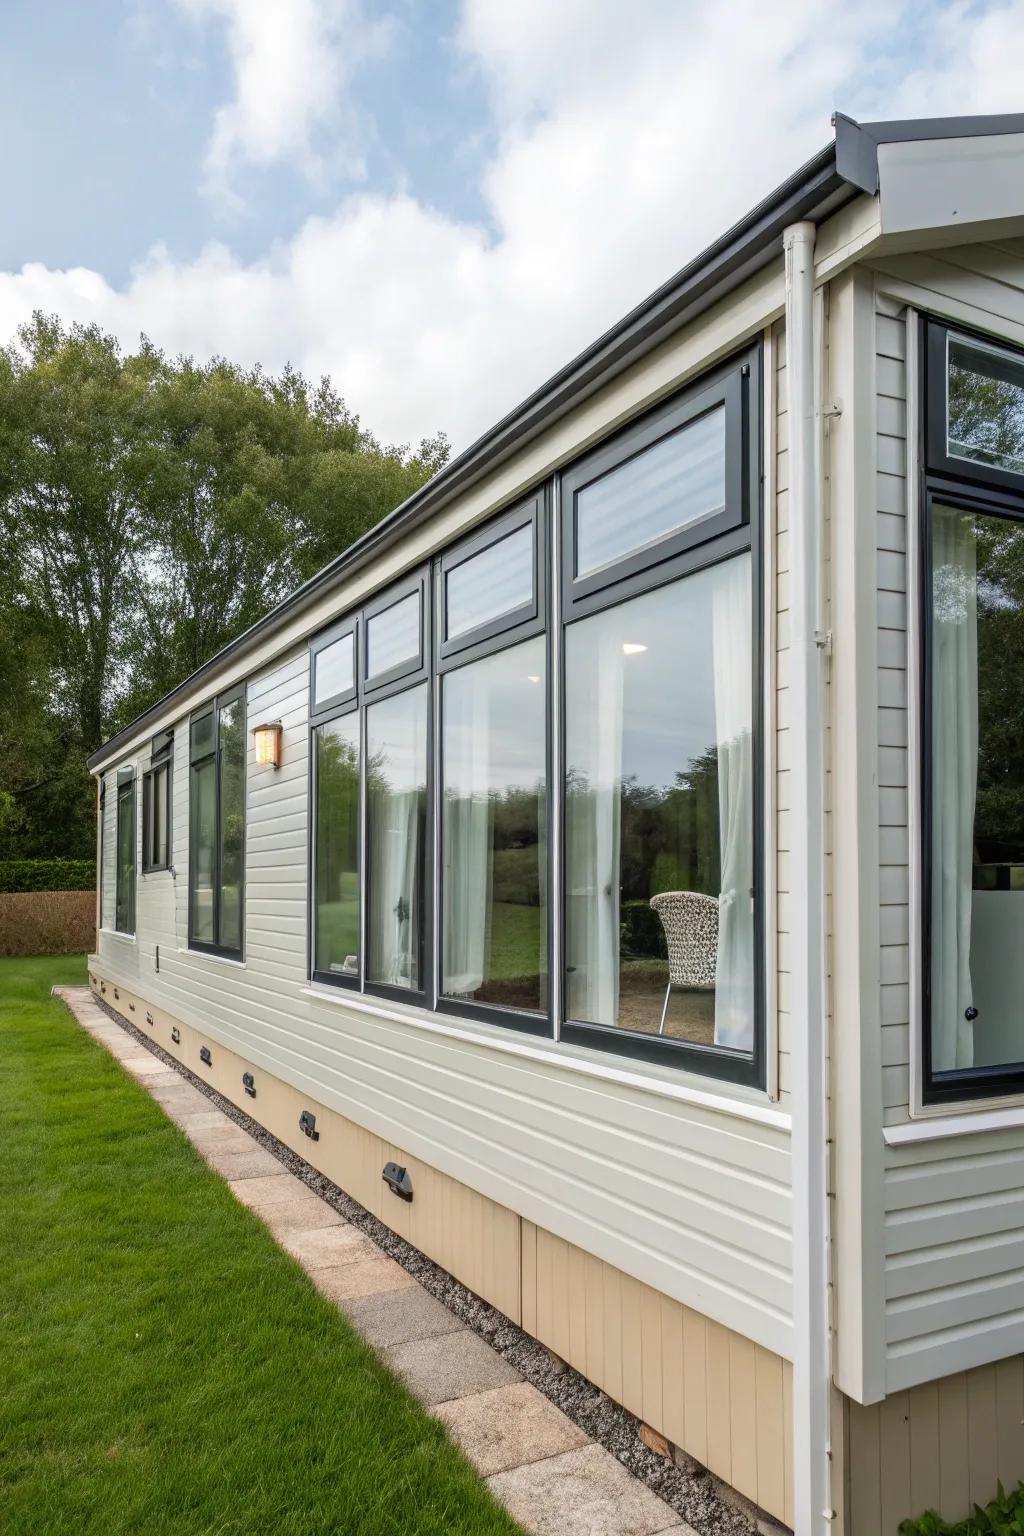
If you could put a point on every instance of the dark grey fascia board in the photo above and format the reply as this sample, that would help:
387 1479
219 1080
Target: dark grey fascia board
857 143
813 192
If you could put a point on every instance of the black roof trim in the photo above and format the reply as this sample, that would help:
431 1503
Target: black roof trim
833 177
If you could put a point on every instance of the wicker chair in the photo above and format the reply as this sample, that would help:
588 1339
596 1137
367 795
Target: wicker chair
690 921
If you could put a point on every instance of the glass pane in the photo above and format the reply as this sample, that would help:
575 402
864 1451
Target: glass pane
232 823
393 636
977 764
202 735
202 848
396 810
160 783
661 490
494 830
334 669
490 584
986 405
124 919
337 847
659 812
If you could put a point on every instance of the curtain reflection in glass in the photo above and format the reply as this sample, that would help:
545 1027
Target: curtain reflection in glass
396 806
202 846
659 803
494 830
336 946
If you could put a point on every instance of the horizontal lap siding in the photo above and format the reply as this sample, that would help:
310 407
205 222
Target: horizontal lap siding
691 1201
954 1222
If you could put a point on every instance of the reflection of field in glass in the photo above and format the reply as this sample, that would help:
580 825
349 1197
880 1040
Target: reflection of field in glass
337 928
517 937
230 913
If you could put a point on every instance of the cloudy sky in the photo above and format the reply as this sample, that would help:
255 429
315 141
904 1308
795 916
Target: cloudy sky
435 202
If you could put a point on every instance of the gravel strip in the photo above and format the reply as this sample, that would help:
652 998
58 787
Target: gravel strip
693 1492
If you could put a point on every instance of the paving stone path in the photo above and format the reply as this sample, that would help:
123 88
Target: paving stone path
551 1477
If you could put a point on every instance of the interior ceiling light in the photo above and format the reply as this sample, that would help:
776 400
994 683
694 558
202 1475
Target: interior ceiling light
632 648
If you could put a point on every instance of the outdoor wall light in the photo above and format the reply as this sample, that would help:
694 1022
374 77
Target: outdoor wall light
204 1055
266 739
397 1180
307 1125
249 1084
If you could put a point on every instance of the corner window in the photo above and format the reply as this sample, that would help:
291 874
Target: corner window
156 805
217 826
973 740
124 886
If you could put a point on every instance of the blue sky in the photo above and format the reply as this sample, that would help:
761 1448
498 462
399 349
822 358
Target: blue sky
434 201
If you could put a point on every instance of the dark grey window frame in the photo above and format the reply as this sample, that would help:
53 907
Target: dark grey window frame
161 761
399 679
126 791
725 387
528 514
736 529
501 634
937 336
972 487
215 705
661 565
334 702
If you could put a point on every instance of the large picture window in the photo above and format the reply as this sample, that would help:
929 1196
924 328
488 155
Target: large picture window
124 879
973 553
536 765
217 749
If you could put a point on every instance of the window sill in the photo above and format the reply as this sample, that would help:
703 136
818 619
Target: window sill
115 933
965 1123
204 954
665 1083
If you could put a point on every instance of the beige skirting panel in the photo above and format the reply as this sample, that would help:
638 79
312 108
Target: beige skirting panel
943 1446
724 1400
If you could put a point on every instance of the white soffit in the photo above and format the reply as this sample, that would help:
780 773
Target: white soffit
951 184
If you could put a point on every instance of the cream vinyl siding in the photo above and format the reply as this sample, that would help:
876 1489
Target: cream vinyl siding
953 1236
689 1198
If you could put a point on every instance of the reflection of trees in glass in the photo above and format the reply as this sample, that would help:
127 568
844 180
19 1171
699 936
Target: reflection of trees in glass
999 814
337 770
517 827
986 417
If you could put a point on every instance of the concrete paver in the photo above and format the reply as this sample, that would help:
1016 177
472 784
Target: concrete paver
362 1277
454 1365
325 1247
397 1317
584 1493
539 1464
509 1427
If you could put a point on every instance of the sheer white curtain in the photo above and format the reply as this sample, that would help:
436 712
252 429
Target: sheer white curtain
394 918
593 833
468 843
954 782
733 657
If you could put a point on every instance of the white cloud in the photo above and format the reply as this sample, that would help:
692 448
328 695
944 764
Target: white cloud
291 62
628 138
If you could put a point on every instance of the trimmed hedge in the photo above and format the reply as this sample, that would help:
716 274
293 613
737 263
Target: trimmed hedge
47 922
47 874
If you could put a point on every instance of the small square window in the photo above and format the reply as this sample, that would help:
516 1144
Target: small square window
334 670
393 637
985 421
491 584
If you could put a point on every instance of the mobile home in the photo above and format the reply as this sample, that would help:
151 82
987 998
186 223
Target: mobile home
623 836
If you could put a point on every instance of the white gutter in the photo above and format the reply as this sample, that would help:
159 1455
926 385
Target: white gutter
813 1512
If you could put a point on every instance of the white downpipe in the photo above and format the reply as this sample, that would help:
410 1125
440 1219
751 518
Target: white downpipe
811 1359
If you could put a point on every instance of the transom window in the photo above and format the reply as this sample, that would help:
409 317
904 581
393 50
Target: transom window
973 741
217 752
625 716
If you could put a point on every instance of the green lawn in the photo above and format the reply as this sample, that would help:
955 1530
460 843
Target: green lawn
164 1367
